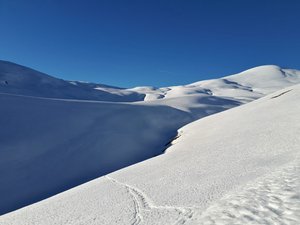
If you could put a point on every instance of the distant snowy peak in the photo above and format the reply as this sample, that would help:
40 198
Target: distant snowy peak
261 76
255 82
21 80
247 85
267 78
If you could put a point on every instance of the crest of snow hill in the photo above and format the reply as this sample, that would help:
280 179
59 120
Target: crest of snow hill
57 134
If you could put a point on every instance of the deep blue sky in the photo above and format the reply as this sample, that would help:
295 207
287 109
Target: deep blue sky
149 42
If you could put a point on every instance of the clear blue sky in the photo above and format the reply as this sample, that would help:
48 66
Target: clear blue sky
149 42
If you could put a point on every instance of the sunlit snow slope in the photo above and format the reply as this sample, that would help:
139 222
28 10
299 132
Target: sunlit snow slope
52 138
240 166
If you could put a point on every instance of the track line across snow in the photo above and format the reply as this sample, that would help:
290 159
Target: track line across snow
143 203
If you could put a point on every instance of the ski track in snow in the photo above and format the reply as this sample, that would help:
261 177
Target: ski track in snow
274 199
143 203
137 207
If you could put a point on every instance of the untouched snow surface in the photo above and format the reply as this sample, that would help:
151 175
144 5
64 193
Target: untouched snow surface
49 145
240 166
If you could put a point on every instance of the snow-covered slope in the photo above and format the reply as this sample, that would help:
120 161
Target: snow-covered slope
240 166
21 80
207 97
49 145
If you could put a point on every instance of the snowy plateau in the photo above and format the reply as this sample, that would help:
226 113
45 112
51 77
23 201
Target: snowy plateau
220 151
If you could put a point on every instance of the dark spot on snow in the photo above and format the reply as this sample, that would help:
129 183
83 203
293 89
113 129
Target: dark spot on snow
169 143
276 96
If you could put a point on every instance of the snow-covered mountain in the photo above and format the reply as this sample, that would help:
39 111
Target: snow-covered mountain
52 138
21 80
240 166
247 85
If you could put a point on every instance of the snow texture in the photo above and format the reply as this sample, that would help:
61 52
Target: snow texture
272 199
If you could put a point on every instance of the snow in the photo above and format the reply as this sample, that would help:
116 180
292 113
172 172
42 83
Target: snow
239 166
51 145
17 79
272 199
54 137
247 86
